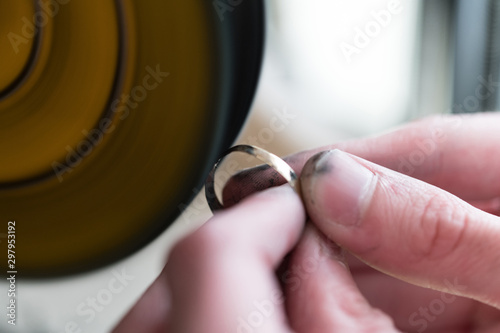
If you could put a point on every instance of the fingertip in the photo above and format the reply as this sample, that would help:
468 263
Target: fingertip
311 167
268 223
274 198
249 181
336 188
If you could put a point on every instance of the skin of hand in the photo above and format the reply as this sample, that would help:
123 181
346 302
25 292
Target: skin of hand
403 237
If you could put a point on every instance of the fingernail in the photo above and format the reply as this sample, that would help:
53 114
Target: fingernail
337 188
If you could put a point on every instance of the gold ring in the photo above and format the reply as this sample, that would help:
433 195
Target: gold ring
270 159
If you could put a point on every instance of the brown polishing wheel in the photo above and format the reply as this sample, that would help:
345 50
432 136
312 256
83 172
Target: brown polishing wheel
110 116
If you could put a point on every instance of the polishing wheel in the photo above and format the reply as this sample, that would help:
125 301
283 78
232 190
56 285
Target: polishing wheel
111 114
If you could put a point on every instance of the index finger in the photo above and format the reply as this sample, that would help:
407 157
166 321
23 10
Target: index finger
221 277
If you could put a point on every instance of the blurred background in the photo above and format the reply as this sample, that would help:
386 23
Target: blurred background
333 70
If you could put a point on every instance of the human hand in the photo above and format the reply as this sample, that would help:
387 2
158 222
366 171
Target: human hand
215 277
222 278
404 227
408 229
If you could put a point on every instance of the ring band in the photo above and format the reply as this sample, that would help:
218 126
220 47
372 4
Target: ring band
270 159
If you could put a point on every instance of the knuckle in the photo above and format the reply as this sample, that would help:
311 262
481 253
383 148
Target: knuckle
437 228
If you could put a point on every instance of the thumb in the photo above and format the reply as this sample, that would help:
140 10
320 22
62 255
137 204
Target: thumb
403 226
